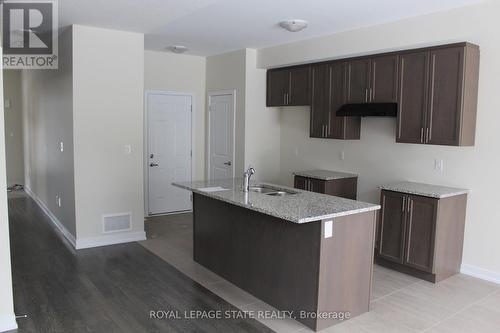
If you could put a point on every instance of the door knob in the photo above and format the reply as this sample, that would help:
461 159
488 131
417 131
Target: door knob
153 164
228 163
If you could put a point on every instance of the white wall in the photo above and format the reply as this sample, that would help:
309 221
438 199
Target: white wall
185 74
108 88
262 125
377 158
7 317
14 127
227 72
48 121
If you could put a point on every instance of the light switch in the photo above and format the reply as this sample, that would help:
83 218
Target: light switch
61 146
328 229
342 155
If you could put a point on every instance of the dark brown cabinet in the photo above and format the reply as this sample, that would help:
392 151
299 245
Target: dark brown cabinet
435 88
438 95
420 229
384 79
421 236
289 86
344 187
373 80
412 104
358 81
328 95
393 227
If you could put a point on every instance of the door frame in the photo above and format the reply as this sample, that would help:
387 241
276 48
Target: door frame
211 93
147 93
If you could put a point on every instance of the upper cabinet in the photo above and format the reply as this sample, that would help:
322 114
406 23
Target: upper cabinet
435 89
358 81
373 80
289 86
328 94
438 95
384 79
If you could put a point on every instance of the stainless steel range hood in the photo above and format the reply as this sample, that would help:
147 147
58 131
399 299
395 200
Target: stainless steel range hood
368 110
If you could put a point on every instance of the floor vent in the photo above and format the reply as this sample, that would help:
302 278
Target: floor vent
116 222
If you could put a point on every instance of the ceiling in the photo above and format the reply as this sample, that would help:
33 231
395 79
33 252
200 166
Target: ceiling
210 27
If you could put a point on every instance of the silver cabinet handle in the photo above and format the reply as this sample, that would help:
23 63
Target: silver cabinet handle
422 135
327 130
287 98
228 163
404 204
284 98
153 165
409 204
427 135
371 94
366 95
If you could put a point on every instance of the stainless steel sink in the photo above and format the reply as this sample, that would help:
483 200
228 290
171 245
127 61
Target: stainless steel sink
269 190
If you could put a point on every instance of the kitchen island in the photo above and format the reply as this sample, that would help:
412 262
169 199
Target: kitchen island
299 251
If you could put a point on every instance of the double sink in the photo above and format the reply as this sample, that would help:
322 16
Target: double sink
272 191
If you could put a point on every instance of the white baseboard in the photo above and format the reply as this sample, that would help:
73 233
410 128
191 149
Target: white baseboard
480 273
68 235
110 239
7 322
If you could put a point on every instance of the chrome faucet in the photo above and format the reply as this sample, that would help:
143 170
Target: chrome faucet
246 181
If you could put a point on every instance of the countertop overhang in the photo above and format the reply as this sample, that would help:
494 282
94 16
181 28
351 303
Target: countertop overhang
301 207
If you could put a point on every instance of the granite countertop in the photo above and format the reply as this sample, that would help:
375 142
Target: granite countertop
426 190
325 174
301 207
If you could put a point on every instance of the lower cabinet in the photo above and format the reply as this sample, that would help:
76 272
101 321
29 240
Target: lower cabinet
421 236
344 187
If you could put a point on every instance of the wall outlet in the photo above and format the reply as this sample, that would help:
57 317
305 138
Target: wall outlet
127 149
342 155
439 165
61 146
328 229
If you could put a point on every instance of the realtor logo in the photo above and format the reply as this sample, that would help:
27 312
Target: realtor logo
29 34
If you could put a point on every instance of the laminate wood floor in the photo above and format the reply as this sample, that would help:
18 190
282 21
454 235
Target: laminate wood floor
106 289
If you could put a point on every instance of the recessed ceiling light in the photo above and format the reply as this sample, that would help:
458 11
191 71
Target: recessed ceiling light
177 48
293 25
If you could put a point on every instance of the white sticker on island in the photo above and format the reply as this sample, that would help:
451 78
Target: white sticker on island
328 229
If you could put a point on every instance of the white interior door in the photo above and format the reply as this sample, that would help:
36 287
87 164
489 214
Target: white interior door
169 151
221 108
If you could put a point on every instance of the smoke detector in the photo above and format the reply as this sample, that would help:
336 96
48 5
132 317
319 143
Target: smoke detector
177 48
293 25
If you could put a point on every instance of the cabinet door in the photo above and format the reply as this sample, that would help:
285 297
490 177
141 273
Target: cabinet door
299 90
420 234
413 93
358 81
320 102
277 87
392 228
336 126
317 185
300 183
445 105
384 79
